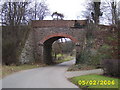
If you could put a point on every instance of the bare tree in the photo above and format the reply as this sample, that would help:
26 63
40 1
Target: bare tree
17 13
39 11
93 11
96 13
111 11
13 13
59 16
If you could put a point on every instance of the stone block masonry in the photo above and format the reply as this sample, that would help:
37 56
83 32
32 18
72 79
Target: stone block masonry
43 33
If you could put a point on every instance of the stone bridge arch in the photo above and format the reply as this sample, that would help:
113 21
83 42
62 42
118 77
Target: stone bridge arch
44 32
47 42
62 35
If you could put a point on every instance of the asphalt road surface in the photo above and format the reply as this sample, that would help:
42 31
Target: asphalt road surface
43 77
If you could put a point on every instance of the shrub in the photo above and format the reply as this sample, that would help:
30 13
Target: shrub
110 67
13 40
8 53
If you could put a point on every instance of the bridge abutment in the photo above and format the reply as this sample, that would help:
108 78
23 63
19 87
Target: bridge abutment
47 54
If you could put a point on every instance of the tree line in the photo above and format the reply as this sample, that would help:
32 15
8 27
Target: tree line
20 13
108 10
15 13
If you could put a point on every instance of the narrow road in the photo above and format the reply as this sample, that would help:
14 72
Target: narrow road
44 77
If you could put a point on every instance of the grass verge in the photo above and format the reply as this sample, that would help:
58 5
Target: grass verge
79 67
96 81
7 70
67 58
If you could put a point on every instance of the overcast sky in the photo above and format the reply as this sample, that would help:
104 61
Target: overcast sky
70 8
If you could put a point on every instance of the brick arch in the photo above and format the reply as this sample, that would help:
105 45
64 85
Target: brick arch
58 35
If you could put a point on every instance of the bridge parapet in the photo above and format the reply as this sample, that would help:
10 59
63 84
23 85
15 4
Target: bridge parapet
57 23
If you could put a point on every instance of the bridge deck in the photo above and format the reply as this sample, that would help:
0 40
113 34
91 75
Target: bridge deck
56 23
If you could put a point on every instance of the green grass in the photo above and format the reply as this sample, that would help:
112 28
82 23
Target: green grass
7 70
59 55
96 81
67 58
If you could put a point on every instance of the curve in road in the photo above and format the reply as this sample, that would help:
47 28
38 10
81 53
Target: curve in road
44 77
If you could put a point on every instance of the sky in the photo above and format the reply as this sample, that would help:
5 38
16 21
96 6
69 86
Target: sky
70 8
